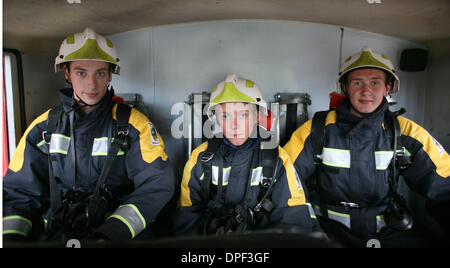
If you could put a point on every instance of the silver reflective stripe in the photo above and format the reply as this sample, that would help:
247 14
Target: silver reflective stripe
100 147
383 159
339 217
131 217
317 210
345 218
255 179
257 174
59 144
16 225
336 157
311 211
215 175
380 223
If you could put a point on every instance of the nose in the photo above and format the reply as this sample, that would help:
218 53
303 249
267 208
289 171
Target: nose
235 122
365 88
91 82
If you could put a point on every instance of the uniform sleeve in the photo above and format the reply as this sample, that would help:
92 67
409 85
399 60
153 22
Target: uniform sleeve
149 168
25 186
429 172
188 216
292 210
300 151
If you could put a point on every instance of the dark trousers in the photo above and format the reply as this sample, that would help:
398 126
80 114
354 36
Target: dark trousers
417 237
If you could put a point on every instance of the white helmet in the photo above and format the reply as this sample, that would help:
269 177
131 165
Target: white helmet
236 89
368 59
87 45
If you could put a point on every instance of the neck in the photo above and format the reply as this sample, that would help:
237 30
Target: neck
86 109
355 112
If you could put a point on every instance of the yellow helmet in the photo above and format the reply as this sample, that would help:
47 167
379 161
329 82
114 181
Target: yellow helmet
368 59
87 45
236 89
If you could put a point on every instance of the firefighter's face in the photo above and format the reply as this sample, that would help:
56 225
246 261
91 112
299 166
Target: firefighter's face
366 89
89 79
237 120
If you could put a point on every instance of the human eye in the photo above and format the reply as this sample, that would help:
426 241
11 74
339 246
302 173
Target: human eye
243 115
101 74
374 83
81 73
356 83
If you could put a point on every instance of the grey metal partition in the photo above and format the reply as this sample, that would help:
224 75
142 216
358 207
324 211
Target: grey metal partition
293 112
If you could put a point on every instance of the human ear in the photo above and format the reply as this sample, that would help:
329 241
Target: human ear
66 73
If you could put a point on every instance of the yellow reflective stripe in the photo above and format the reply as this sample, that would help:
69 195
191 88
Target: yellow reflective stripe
149 151
43 146
297 142
18 157
297 195
14 232
185 194
131 216
432 148
336 157
42 142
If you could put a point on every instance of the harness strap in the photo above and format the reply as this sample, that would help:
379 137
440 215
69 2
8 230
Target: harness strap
318 135
206 161
221 220
52 122
120 141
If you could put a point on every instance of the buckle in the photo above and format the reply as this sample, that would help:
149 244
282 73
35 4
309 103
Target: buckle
349 205
206 157
318 159
122 132
265 182
400 153
403 160
44 137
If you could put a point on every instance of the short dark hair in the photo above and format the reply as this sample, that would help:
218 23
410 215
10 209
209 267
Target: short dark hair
388 77
67 64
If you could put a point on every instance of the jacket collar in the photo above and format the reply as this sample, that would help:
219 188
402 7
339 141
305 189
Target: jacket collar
69 103
372 120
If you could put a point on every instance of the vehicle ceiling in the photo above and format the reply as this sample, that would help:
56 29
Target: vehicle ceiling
38 27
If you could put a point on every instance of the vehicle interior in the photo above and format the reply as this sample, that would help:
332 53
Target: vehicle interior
174 52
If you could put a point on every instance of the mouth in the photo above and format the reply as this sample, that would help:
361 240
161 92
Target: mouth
91 95
365 101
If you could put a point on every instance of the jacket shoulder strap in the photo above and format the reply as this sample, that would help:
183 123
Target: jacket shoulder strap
122 127
52 122
206 161
318 135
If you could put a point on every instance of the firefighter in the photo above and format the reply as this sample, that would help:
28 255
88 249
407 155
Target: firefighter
226 188
353 180
52 179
